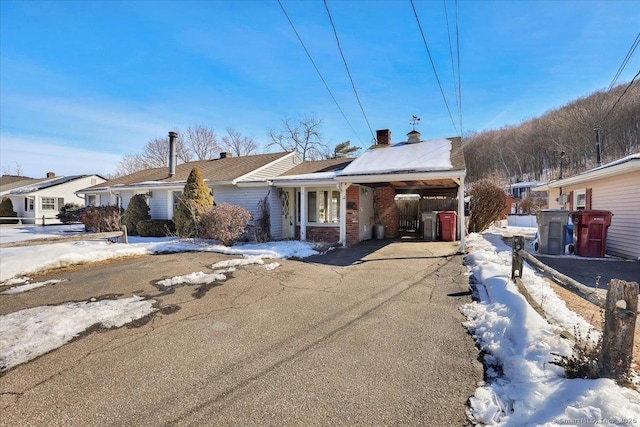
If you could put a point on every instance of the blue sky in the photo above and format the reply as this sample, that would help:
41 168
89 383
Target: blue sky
82 83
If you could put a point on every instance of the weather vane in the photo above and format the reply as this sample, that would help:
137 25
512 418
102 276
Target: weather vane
415 120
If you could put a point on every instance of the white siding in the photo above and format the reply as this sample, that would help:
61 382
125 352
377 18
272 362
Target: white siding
159 204
277 168
620 196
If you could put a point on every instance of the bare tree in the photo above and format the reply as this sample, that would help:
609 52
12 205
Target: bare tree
129 164
203 142
155 154
17 171
238 144
302 135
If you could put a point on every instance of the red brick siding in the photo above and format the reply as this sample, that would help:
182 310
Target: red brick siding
353 215
328 234
386 210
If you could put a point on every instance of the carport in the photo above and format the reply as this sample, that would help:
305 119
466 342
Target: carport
415 166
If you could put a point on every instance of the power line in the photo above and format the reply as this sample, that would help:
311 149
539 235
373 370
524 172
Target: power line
453 72
318 71
458 56
621 95
433 66
347 67
625 61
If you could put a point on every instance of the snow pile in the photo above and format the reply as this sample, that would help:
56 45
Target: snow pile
27 334
28 286
197 278
523 387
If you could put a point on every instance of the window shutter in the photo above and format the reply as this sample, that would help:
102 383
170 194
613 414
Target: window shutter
60 202
570 200
26 204
588 197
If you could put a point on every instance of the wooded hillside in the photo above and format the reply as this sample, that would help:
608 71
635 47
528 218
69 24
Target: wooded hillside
531 151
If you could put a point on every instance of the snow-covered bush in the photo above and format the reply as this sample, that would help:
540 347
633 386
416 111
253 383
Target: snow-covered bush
156 227
137 210
225 222
101 218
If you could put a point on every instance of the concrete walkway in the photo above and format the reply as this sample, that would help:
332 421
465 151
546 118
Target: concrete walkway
367 336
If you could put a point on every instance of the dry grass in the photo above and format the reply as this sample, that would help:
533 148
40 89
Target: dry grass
592 314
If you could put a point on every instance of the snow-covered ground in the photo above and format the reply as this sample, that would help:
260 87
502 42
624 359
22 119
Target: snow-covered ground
523 388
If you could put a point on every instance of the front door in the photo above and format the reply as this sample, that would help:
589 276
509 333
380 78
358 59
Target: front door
288 231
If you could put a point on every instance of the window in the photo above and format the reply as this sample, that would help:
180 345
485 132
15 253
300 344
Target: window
176 199
323 206
580 202
92 200
48 204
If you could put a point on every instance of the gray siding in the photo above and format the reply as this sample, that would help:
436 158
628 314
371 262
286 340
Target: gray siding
159 204
249 198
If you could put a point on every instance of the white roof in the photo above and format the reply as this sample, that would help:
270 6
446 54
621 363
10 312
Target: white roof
423 156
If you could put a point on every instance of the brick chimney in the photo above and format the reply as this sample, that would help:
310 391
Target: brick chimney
172 153
225 155
51 174
383 137
413 136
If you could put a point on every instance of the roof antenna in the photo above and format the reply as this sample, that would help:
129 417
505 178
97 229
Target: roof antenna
415 120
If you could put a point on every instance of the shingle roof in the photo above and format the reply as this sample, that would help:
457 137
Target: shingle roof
314 166
215 170
31 185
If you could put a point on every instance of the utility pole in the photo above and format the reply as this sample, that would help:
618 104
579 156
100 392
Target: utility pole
598 151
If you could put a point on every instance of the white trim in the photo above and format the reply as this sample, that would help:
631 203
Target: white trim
605 171
407 176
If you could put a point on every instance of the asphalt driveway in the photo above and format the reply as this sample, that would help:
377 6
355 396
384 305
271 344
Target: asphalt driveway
366 336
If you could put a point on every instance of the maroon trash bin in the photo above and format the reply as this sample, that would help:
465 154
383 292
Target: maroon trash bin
447 225
590 232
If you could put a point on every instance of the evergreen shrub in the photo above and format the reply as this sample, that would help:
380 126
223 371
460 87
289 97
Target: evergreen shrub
156 227
137 210
196 198
6 210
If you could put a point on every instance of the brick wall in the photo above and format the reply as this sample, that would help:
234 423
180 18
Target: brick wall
353 215
327 234
386 210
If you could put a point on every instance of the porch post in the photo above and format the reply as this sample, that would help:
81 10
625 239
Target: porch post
461 220
303 214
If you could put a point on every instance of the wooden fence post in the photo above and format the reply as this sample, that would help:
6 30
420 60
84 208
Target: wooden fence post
125 237
516 261
619 329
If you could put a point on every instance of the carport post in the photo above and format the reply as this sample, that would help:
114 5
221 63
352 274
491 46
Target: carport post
303 214
461 221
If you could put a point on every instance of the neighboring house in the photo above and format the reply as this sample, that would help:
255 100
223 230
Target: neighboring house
343 202
613 187
523 190
242 181
34 199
